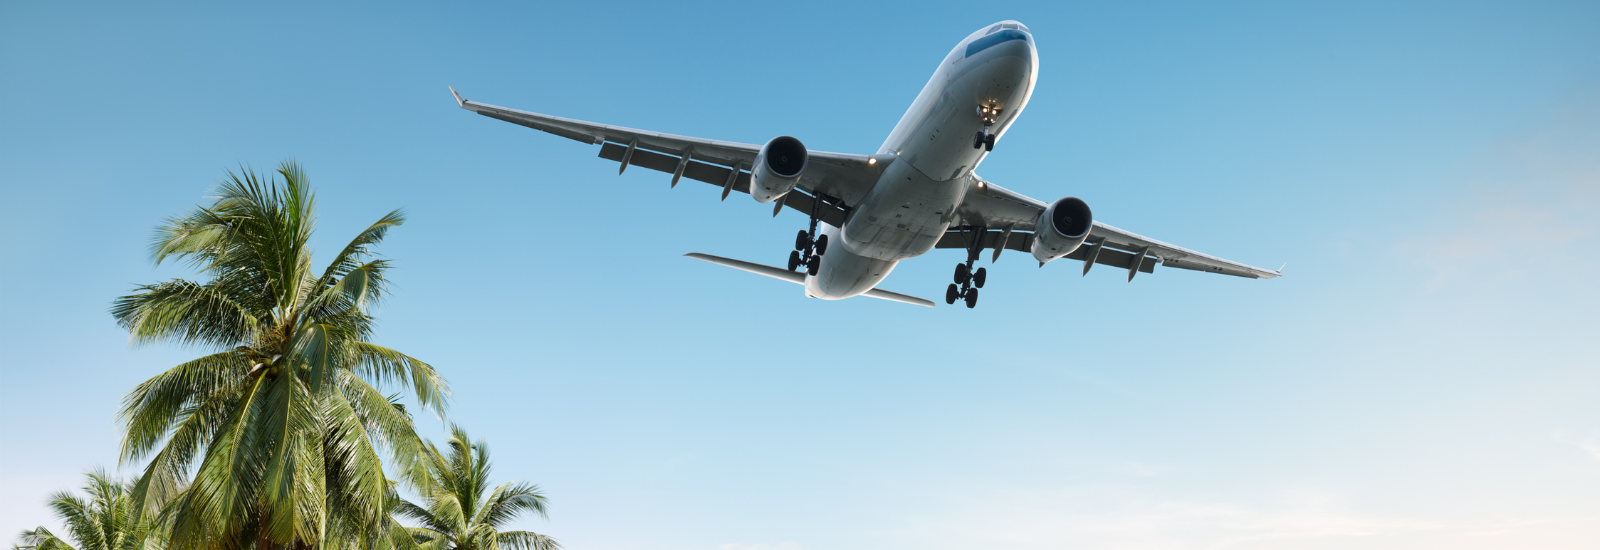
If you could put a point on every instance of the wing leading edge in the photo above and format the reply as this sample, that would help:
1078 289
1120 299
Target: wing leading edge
845 177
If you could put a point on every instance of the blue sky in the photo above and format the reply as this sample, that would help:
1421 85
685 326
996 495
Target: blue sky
1425 374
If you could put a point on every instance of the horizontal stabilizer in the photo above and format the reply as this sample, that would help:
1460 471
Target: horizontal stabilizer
800 278
882 294
758 269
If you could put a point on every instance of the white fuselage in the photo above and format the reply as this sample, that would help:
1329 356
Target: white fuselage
910 207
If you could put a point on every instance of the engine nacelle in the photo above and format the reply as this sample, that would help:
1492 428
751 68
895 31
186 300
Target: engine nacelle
777 168
1061 229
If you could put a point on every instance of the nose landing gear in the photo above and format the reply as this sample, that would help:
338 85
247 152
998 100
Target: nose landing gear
983 139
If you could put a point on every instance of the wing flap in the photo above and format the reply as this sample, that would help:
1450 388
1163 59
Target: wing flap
718 176
955 238
1176 256
990 205
1192 266
1023 241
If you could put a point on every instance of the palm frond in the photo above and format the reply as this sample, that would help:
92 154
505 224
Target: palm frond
387 425
216 507
80 520
155 405
41 539
428 539
164 476
358 491
384 365
360 247
186 312
409 510
526 540
510 501
292 494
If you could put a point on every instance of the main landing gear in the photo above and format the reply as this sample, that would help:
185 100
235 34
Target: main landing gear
968 281
983 139
809 246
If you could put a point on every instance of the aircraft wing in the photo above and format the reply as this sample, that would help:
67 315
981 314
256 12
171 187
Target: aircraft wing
1010 218
842 176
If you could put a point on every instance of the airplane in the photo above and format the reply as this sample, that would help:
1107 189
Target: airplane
919 192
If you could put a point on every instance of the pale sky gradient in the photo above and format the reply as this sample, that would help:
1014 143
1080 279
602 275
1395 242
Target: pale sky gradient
1425 375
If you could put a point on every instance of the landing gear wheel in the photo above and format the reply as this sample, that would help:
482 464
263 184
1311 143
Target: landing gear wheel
988 143
822 245
802 240
951 293
962 274
813 264
972 298
794 260
977 278
978 140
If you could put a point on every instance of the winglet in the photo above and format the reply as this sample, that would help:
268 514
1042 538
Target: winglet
459 102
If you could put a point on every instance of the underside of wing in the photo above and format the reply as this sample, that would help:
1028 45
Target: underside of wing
845 179
1178 257
995 218
727 178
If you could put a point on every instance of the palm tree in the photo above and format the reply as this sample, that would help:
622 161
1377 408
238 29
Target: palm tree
284 417
458 516
103 522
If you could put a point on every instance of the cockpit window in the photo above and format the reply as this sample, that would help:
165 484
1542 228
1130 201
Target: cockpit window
1000 26
997 37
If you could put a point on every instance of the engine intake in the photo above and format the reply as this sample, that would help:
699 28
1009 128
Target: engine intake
1061 229
777 168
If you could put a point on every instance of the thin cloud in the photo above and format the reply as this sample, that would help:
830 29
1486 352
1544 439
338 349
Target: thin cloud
1525 212
1104 517
1589 445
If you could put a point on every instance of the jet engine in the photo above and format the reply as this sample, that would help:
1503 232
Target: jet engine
1061 229
777 168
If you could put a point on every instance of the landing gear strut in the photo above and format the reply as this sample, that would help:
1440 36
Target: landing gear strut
809 247
983 139
968 281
